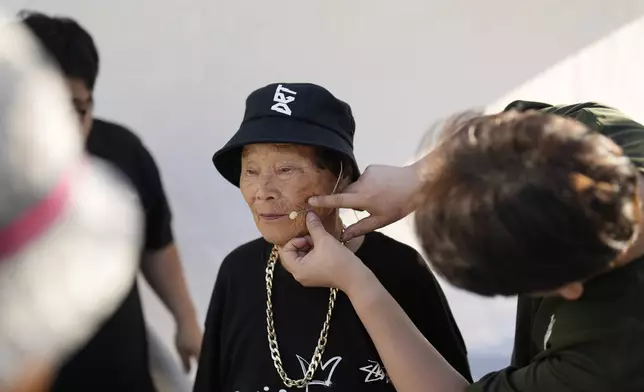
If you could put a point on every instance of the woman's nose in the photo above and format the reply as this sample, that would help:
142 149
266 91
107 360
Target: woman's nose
267 189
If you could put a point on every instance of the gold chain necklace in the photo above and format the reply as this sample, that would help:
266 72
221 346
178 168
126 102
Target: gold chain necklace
272 335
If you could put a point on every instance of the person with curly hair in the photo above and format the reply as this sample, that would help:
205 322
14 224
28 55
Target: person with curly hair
540 201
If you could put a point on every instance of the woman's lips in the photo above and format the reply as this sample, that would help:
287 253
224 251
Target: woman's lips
272 217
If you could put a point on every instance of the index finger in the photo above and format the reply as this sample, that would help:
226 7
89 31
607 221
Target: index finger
339 200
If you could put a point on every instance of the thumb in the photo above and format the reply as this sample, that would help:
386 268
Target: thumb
315 227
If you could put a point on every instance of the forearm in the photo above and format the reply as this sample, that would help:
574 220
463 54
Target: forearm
163 271
412 363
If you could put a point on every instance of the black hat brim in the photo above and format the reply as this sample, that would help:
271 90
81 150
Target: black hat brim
278 130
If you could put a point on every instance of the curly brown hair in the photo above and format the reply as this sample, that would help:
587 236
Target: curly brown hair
525 202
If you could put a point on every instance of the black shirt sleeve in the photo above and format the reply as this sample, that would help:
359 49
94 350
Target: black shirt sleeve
524 347
626 133
122 148
209 377
158 229
594 346
569 371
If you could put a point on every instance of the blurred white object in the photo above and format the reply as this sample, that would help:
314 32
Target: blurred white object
70 227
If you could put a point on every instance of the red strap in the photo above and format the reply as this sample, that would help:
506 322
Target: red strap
35 220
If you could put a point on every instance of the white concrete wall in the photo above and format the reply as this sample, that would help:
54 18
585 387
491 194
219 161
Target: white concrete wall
178 71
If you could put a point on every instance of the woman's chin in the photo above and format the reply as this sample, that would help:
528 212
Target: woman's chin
281 239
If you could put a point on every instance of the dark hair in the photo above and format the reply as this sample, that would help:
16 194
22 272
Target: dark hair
71 46
330 160
524 203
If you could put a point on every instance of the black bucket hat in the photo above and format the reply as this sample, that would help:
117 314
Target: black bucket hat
290 113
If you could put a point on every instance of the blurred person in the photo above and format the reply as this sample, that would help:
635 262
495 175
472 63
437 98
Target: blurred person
296 141
524 202
70 226
117 357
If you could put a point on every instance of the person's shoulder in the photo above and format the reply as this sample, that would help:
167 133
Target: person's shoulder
244 255
594 115
383 241
389 250
566 110
602 118
247 249
112 131
597 116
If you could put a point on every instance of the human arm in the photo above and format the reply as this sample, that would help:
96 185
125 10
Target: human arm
412 363
161 264
439 327
420 295
163 271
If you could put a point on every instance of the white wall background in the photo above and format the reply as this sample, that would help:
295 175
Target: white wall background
178 71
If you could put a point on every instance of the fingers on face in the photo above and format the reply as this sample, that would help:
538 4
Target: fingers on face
314 225
339 200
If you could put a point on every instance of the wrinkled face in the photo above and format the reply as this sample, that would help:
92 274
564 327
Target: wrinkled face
277 179
83 103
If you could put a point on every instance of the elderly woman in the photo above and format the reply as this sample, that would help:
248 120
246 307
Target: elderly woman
264 331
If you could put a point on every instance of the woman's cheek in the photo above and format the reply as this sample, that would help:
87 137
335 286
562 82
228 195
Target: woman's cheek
323 213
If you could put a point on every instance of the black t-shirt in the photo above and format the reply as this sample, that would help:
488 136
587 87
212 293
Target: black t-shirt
116 358
592 344
235 354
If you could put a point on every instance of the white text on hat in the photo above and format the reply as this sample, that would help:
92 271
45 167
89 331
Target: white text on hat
281 100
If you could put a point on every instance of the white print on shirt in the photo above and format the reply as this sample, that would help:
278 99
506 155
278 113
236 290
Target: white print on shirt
375 372
281 100
331 364
549 332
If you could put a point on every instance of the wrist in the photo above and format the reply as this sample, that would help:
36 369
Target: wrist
363 286
416 172
421 172
186 318
416 167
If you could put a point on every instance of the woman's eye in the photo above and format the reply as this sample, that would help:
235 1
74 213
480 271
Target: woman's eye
251 172
285 170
